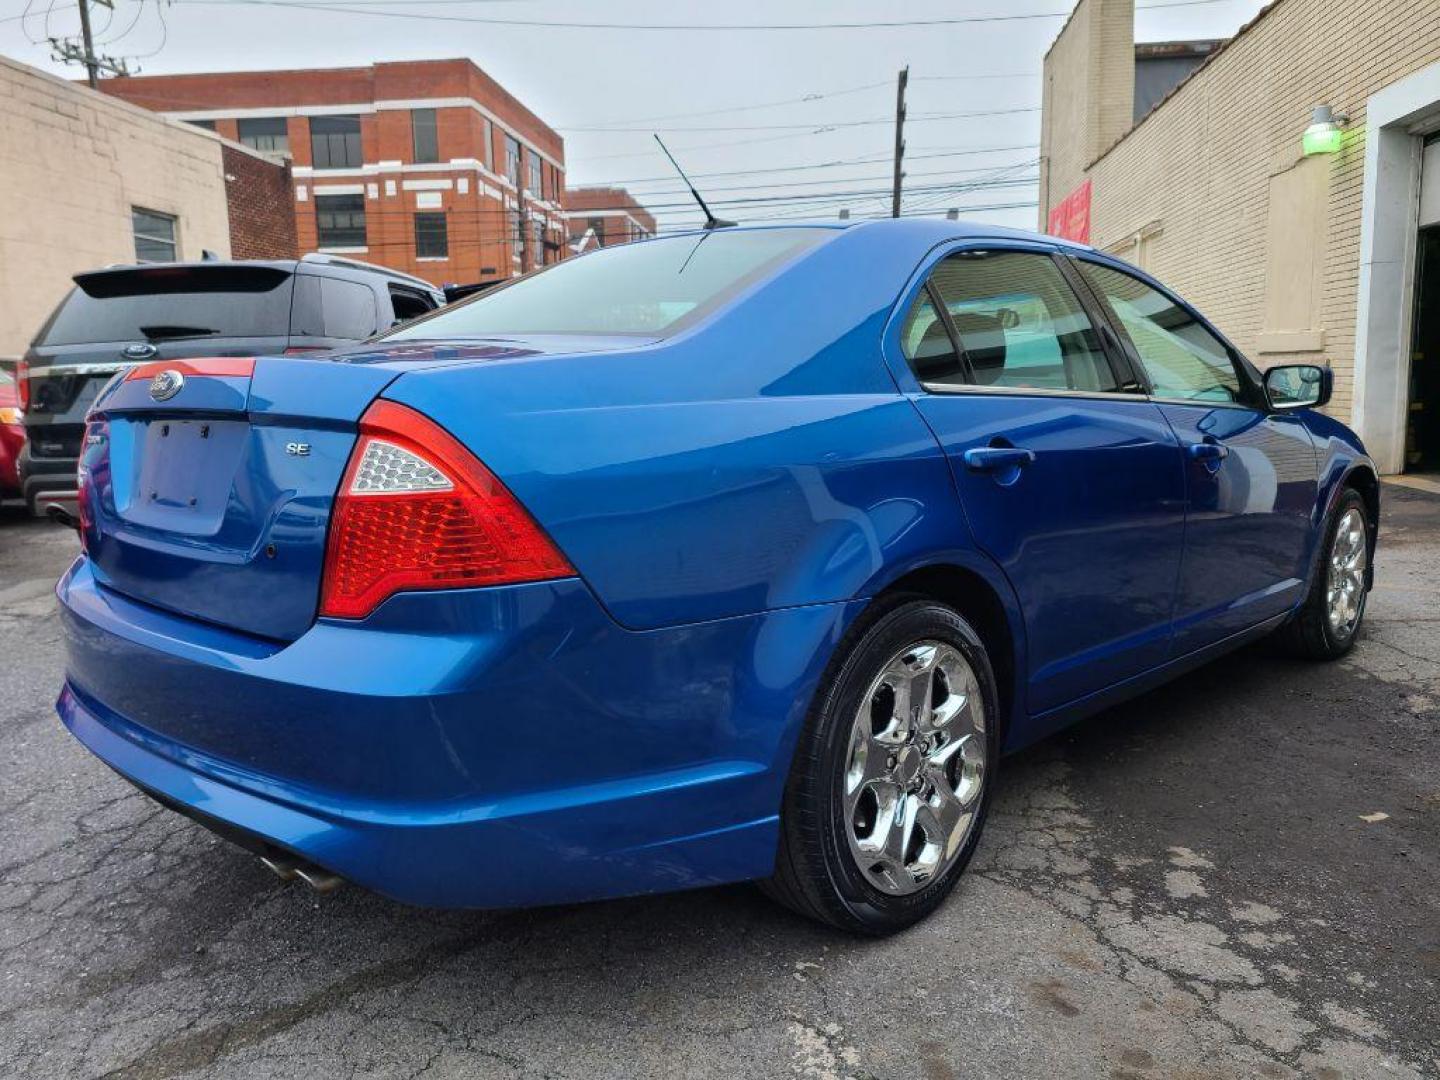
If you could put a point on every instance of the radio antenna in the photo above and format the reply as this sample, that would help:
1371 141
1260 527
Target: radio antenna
711 221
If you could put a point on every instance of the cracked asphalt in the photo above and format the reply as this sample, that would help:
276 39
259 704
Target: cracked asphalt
1234 876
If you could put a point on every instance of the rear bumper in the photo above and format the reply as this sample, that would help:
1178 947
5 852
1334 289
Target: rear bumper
43 479
485 748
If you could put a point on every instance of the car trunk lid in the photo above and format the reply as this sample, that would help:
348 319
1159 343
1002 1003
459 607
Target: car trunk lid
209 483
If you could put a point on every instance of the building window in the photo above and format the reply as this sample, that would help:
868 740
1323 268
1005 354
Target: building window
512 161
340 221
266 133
517 237
537 243
426 139
154 236
208 125
597 226
335 142
536 180
489 154
432 240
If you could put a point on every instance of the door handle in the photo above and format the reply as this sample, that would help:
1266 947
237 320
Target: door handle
1208 451
997 458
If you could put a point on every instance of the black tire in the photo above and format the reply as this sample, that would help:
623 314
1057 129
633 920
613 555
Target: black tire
816 873
1309 633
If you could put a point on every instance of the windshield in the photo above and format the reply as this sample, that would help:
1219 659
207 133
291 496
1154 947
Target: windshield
173 303
652 288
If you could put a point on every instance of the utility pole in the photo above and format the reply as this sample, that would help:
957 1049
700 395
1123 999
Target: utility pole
68 52
899 137
90 65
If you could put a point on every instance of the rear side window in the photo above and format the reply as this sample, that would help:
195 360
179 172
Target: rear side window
173 303
1182 358
349 308
652 288
1019 324
927 344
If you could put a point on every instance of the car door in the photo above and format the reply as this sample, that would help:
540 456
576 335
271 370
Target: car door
1069 478
1250 473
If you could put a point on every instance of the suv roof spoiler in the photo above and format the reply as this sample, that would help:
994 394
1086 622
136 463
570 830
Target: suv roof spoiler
337 260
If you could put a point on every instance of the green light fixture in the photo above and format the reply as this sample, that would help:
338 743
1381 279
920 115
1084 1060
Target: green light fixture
1323 136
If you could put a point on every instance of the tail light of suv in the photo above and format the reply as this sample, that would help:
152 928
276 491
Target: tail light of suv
416 510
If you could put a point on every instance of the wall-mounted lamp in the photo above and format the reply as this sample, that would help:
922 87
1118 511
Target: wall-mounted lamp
1323 135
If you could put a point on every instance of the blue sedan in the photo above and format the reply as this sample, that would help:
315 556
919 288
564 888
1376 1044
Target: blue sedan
736 555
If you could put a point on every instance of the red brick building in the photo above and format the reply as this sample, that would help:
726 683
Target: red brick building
261 201
601 216
430 167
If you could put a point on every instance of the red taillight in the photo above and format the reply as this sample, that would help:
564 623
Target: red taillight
22 384
416 510
232 366
97 432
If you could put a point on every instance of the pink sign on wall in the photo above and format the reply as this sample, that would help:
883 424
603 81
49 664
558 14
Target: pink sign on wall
1070 219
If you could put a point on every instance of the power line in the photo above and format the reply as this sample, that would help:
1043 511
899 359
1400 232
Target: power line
794 199
868 160
803 100
829 180
357 7
831 126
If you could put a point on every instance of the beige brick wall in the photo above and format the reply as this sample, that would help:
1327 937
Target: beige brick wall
72 164
1197 175
1088 94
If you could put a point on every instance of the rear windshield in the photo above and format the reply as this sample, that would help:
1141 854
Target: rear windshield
173 304
652 288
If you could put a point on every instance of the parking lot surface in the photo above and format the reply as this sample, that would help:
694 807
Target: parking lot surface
1234 876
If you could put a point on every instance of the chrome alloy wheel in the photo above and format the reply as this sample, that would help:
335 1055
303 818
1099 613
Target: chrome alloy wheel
1345 583
915 768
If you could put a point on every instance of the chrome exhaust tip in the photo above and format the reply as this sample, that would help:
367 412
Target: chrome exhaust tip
287 869
322 881
281 868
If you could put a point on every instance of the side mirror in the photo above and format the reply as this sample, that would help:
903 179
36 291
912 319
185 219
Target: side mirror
1298 386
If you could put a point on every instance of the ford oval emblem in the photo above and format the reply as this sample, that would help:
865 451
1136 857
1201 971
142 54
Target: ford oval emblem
166 384
138 351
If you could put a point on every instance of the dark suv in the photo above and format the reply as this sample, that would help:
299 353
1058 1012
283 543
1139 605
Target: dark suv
127 315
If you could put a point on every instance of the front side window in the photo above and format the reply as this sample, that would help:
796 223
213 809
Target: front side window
1019 325
340 221
154 236
649 289
424 136
268 134
1181 358
335 142
432 239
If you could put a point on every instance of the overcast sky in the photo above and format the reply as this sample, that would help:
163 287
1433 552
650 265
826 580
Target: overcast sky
809 81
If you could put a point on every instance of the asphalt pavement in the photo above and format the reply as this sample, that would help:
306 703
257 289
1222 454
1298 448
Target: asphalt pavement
1235 876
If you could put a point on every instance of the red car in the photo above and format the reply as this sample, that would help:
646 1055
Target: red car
12 437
